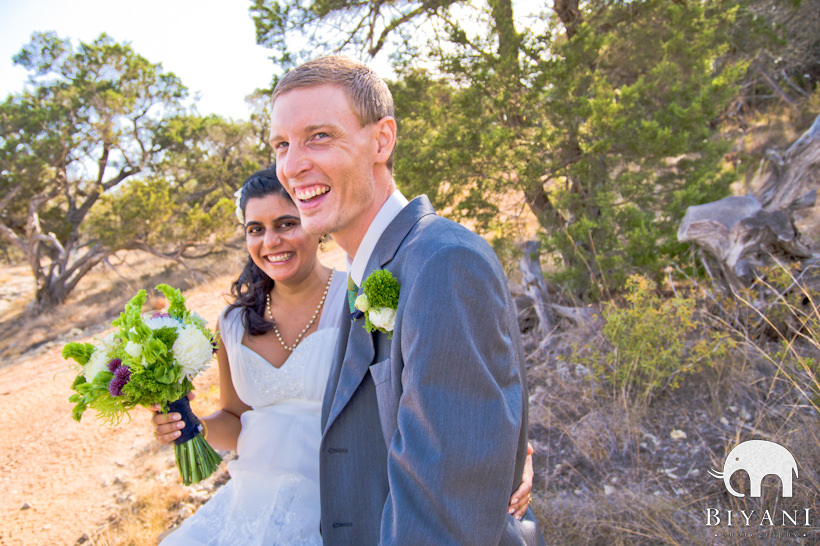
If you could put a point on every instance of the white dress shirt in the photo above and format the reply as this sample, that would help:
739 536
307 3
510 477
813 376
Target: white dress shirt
386 214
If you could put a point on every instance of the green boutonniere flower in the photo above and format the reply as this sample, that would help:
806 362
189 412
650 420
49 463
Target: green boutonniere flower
379 301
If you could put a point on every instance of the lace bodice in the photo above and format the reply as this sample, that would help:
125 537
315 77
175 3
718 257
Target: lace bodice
303 376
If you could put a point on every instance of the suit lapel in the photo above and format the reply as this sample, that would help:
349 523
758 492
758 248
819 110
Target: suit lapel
354 360
392 238
355 350
336 366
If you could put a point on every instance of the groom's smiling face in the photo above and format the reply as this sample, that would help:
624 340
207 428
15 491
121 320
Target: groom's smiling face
325 159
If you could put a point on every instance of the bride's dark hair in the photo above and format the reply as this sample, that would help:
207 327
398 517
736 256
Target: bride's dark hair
253 285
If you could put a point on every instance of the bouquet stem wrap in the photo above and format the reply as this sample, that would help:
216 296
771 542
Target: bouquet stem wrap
195 458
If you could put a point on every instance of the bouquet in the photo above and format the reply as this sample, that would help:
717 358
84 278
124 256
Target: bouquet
150 359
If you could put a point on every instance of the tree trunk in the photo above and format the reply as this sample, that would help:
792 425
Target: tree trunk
535 287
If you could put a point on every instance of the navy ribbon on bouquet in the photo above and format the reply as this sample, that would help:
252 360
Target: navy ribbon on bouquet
183 407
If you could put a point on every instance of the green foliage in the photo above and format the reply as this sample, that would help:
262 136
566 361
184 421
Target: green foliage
130 321
176 301
644 85
166 336
146 389
605 119
207 158
651 343
83 126
95 395
79 352
154 214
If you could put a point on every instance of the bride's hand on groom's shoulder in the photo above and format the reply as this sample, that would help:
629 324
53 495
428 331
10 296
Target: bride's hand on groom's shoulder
167 427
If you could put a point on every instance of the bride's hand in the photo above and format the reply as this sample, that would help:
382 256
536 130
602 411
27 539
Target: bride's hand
521 498
167 427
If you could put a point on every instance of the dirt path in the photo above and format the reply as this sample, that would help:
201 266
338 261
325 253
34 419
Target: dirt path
62 481
59 478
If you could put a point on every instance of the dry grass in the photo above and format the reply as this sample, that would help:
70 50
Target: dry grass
610 471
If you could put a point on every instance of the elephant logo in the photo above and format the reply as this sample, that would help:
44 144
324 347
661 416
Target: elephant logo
758 458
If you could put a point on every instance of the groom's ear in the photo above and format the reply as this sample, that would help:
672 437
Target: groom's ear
385 138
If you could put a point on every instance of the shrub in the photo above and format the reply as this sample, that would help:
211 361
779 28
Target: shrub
651 341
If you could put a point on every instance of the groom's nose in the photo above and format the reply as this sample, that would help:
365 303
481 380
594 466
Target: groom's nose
294 162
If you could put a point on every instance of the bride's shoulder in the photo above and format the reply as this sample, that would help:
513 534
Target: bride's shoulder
338 285
230 318
336 294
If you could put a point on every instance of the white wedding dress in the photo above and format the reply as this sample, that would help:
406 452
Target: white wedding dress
273 494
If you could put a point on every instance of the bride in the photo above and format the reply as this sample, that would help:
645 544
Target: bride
276 347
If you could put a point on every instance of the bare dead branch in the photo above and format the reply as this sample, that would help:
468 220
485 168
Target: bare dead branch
744 233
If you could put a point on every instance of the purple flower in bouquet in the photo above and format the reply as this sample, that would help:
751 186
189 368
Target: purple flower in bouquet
121 377
113 364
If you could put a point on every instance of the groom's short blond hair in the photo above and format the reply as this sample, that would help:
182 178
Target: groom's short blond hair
369 95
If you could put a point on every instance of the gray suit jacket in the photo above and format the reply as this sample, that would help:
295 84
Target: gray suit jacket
424 436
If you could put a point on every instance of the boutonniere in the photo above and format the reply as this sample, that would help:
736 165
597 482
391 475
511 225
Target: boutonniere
379 301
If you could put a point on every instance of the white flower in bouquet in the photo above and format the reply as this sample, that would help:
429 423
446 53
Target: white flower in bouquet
192 350
97 363
110 341
156 322
383 317
133 349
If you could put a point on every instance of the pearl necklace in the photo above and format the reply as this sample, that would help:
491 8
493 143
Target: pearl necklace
309 324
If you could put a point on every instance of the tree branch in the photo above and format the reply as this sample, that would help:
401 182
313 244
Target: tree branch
780 93
175 256
374 49
12 237
124 173
102 162
10 195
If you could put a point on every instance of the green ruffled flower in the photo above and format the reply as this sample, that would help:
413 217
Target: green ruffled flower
382 289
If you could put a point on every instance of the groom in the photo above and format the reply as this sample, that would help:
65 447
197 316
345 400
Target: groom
425 430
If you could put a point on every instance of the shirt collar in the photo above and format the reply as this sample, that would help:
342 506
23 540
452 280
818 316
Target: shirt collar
386 214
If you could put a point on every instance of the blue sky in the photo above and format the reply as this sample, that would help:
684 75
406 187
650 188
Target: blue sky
209 44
